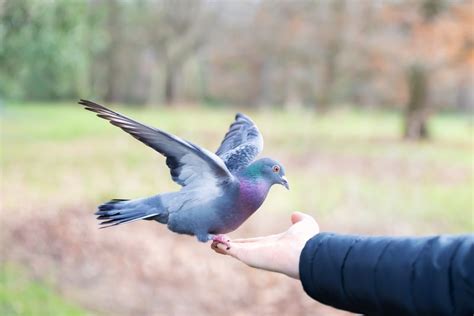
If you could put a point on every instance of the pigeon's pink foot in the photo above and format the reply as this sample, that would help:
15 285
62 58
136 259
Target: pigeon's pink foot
221 239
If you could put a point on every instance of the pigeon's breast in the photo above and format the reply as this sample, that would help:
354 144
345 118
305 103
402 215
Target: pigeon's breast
249 198
251 195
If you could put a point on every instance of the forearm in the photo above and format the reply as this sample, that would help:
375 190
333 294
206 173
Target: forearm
378 275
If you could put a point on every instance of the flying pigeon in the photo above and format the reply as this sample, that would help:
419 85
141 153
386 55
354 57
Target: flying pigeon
219 191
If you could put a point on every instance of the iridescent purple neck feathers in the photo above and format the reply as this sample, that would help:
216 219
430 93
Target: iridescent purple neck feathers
252 193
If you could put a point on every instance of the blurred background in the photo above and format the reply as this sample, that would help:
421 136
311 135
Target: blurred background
368 104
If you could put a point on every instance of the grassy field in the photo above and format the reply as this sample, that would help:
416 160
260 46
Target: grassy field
345 159
348 168
19 295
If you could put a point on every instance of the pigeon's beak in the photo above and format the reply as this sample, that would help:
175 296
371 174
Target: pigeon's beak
284 182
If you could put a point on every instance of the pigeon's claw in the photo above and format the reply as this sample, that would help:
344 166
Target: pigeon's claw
221 239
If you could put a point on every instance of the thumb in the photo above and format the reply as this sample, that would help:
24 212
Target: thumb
298 217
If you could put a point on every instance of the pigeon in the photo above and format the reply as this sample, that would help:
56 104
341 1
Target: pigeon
218 191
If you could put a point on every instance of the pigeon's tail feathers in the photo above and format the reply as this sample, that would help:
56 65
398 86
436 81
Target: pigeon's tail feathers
110 205
120 211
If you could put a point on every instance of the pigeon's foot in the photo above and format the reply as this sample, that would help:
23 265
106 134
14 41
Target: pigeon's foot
221 239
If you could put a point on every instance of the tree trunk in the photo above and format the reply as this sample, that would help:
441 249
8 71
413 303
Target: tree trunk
113 51
263 98
170 83
416 114
292 98
329 74
334 46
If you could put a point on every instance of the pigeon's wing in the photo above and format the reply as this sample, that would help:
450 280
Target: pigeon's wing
190 165
242 143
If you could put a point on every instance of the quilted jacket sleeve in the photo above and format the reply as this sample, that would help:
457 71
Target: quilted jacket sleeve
391 276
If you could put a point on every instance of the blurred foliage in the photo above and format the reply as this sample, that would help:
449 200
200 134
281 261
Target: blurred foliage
43 50
288 54
19 295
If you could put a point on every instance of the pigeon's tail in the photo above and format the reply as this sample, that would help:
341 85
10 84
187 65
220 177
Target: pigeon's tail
119 211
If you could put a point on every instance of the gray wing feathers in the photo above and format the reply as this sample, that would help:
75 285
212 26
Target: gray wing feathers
189 164
242 143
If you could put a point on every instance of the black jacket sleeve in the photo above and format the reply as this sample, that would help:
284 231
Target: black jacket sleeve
391 276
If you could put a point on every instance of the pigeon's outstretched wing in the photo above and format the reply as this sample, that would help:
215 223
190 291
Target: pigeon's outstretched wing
190 165
242 143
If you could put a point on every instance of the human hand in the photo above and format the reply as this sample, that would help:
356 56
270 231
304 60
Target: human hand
278 253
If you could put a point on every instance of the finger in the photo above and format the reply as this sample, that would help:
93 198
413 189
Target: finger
219 248
257 255
233 250
245 252
248 253
259 239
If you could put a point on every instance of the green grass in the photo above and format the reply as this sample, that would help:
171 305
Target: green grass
19 295
346 162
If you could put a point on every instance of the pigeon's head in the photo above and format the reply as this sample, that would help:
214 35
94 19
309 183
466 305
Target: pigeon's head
270 170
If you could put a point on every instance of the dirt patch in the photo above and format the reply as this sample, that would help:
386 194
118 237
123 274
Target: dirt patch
143 269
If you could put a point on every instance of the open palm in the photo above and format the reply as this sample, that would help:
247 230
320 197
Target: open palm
278 253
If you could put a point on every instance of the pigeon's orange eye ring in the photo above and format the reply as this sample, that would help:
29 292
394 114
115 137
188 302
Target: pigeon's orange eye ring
276 168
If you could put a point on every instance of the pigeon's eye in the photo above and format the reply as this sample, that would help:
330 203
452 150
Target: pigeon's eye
276 168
